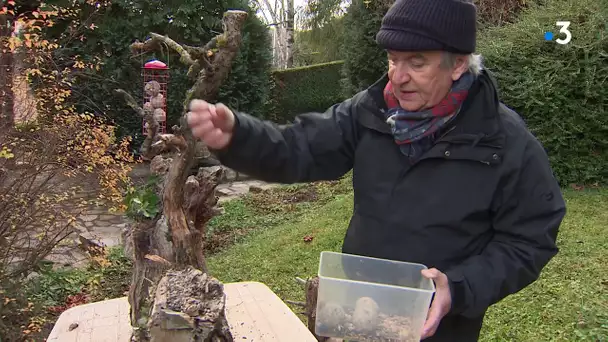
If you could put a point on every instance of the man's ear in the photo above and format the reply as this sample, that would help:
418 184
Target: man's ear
460 66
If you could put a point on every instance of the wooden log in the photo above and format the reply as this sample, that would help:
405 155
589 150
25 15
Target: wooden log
183 304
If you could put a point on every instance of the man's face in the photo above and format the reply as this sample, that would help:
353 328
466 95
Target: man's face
419 80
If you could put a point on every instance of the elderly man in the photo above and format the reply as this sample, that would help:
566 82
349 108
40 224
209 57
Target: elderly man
443 173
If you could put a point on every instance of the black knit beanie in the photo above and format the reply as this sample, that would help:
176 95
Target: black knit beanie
419 25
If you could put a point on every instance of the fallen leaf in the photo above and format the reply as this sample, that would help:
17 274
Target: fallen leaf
577 187
308 238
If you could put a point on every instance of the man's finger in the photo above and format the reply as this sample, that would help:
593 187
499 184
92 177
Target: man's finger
203 129
431 273
214 137
196 118
198 105
432 321
222 111
213 112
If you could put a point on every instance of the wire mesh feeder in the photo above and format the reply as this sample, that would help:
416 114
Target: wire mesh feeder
156 80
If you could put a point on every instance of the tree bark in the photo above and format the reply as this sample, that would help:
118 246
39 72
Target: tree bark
188 203
312 289
289 31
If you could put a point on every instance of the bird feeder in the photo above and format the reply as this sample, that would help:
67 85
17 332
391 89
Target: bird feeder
156 79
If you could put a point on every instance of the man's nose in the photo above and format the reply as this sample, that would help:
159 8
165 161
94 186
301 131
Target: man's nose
401 74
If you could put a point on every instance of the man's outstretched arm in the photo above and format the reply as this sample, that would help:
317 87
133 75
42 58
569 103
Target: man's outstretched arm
317 146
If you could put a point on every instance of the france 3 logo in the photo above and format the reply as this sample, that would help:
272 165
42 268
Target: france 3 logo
564 34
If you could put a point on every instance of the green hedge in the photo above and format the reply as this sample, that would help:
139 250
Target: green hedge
560 90
364 61
305 89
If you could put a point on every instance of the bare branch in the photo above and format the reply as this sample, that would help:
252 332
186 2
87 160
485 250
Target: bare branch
154 43
263 12
212 44
131 102
273 12
167 142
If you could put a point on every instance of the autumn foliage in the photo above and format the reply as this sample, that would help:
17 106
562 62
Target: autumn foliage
55 161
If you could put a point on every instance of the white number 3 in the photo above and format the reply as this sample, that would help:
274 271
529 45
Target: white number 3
564 29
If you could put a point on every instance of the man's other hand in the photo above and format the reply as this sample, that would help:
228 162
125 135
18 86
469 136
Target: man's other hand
212 124
442 302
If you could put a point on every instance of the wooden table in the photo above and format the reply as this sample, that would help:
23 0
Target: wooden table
254 312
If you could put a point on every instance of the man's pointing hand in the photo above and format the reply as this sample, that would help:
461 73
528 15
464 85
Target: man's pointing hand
212 124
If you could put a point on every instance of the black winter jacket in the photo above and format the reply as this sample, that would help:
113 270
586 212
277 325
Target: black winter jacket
482 205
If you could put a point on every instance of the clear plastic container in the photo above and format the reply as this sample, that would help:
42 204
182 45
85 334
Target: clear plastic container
370 299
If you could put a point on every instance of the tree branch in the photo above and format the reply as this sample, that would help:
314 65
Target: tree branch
148 115
170 142
186 241
131 102
154 43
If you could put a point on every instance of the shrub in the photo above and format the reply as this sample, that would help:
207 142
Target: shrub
560 90
42 159
46 156
498 12
364 61
298 90
28 309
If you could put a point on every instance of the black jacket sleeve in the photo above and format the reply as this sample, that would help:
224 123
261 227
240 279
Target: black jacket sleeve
526 219
317 146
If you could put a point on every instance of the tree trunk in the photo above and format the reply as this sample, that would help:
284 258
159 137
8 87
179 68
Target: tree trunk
289 33
172 296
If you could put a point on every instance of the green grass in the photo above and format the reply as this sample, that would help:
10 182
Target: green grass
568 303
259 211
262 237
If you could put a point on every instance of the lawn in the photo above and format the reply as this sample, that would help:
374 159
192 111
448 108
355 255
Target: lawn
277 235
568 303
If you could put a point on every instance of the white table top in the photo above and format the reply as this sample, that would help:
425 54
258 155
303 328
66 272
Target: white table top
253 311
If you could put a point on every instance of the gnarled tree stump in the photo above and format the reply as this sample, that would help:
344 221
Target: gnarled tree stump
172 297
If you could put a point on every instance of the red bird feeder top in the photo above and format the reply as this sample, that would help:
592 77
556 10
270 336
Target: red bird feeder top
155 64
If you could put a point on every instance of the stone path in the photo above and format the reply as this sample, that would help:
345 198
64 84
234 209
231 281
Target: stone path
99 226
236 189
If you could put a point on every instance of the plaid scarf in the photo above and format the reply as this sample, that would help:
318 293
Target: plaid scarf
414 130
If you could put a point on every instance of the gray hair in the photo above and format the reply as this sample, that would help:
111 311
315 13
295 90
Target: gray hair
474 61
